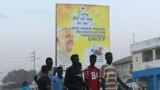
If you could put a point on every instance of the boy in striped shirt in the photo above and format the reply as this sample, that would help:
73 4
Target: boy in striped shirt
109 75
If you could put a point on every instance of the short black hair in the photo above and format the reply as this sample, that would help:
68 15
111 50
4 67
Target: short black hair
48 59
44 68
59 68
73 56
24 83
109 61
108 53
93 56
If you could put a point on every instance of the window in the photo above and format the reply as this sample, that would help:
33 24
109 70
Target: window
147 56
157 54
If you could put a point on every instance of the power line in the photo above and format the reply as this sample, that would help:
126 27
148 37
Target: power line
34 59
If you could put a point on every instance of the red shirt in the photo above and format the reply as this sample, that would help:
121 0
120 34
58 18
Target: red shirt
91 76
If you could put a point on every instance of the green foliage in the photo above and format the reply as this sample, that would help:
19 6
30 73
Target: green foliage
19 76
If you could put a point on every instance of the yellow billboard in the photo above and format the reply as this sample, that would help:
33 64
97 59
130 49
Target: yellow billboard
82 30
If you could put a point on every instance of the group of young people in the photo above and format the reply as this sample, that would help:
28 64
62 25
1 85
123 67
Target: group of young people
91 78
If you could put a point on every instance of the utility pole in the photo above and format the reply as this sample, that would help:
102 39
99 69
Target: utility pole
34 59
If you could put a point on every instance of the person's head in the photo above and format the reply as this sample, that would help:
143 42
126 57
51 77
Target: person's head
44 69
59 71
24 83
65 39
49 62
75 59
109 58
93 60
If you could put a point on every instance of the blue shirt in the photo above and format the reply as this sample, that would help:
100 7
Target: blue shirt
58 83
25 88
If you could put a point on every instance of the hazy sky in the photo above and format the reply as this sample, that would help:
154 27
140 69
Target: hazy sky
27 25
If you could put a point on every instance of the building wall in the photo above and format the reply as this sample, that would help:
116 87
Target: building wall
145 45
146 62
143 60
137 61
124 71
146 54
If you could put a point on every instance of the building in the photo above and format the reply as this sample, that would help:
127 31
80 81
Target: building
124 68
17 86
0 87
11 86
146 62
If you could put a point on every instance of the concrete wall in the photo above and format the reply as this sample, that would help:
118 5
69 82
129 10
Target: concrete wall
123 71
146 54
137 61
140 64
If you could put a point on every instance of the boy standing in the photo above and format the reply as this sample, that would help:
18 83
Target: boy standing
58 81
91 75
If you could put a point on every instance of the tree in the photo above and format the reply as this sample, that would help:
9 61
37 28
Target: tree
19 76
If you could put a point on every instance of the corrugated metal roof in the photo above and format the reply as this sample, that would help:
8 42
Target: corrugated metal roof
123 60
